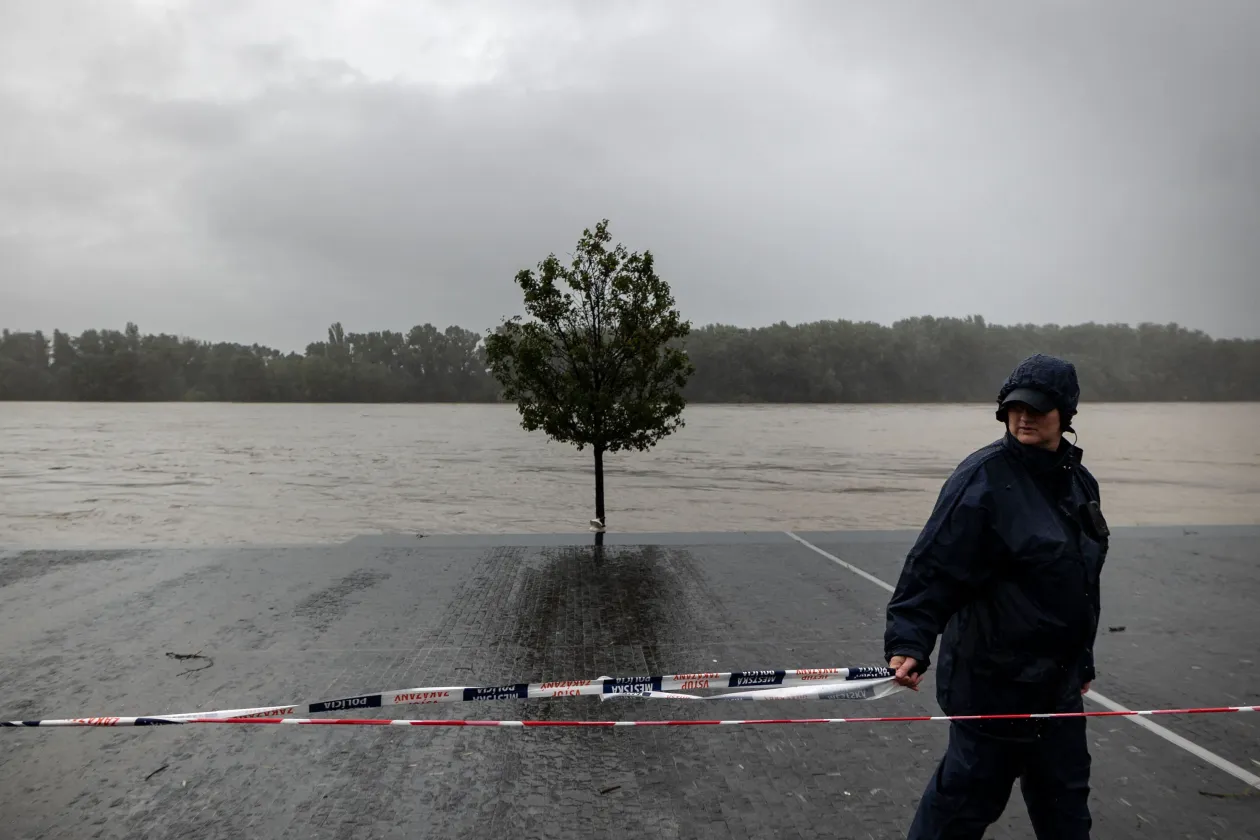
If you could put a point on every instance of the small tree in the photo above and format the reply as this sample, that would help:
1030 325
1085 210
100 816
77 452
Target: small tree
598 365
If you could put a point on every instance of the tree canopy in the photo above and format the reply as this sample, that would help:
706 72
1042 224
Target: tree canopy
916 360
598 365
422 365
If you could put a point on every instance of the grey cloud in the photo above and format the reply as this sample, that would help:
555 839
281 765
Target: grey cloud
188 122
1030 162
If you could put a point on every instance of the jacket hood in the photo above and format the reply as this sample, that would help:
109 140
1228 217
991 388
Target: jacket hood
1051 376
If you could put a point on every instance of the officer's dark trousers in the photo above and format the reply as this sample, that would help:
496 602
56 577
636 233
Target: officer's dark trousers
972 784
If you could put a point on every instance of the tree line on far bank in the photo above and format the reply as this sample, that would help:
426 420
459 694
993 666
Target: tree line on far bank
916 360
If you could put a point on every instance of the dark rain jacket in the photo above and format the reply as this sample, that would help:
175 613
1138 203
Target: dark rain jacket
1006 572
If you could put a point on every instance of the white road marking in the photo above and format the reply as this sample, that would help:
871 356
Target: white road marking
833 558
1171 737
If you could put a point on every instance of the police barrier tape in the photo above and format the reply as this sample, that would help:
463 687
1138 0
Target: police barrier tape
165 721
606 687
847 690
836 684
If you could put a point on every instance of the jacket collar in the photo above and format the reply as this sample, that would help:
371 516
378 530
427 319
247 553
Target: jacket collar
1040 461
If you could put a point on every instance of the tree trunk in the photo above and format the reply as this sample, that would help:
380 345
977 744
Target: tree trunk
599 485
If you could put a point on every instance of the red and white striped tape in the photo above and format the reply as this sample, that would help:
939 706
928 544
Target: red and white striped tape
163 721
860 683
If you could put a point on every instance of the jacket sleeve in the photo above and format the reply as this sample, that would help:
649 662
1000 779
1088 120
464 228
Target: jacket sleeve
1088 672
943 571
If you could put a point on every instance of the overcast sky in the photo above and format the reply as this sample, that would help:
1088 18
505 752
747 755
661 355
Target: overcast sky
252 171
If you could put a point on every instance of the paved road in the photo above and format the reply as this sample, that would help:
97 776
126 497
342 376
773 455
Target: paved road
86 633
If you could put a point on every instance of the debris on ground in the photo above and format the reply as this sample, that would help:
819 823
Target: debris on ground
1247 794
186 656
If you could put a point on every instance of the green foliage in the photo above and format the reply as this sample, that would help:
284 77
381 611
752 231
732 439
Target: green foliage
962 360
599 365
916 360
426 365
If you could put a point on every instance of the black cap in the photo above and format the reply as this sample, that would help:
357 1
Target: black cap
1044 383
1039 401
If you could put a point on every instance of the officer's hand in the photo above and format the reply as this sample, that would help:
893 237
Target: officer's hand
904 666
1085 687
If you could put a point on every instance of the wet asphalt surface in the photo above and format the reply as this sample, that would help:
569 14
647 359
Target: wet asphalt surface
88 633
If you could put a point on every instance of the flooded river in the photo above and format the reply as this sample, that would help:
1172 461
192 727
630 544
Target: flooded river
195 474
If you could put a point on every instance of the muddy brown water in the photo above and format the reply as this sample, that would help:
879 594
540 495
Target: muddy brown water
78 474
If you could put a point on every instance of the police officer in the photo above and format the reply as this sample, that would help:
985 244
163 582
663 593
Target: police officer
1006 571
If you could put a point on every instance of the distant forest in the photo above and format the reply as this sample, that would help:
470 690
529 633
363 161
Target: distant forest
916 360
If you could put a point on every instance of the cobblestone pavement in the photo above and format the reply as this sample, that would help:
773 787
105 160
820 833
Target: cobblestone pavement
87 633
